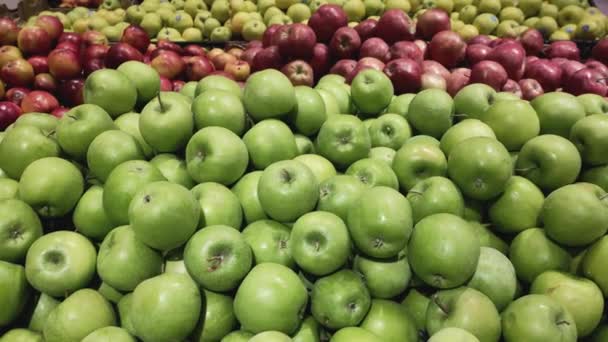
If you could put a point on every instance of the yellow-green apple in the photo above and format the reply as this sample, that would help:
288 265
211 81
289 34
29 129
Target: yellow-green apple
246 190
495 277
111 90
110 149
308 331
592 264
174 169
415 162
270 242
238 336
22 145
473 100
309 114
453 334
593 103
218 318
219 108
124 307
352 135
89 217
435 195
111 333
558 112
487 238
338 193
372 92
166 122
382 153
15 292
521 198
514 122
145 79
304 144
19 227
268 94
390 130
219 83
269 141
320 167
590 136
384 278
416 305
463 130
219 206
431 112
390 320
21 334
354 334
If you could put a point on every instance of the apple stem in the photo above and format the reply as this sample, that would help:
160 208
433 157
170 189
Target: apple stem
162 106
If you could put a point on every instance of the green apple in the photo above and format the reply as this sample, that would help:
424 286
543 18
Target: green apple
331 79
109 293
78 315
571 14
597 175
219 206
390 321
538 318
51 186
549 10
174 169
390 130
340 300
547 26
270 242
481 167
89 216
246 190
400 104
193 7
453 335
463 130
489 6
129 123
181 21
341 93
373 173
590 136
9 189
590 28
44 305
464 308
533 253
443 250
518 207
579 296
219 108
415 162
23 145
384 154
219 83
20 334
514 122
135 14
331 104
320 167
166 123
558 112
338 193
530 8
124 307
79 127
165 308
308 331
384 278
109 334
111 90
169 33
372 92
576 214
271 336
46 122
549 161
431 112
270 141
271 297
209 26
218 320
110 149
468 13
268 94
152 23
380 222
287 190
495 277
592 264
512 13
486 23
309 113
15 292
593 103
122 184
145 79
238 336
343 139
220 10
320 243
189 89
354 334
19 228
435 195
416 304
253 30
487 238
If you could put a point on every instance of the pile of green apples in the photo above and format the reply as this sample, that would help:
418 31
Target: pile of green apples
274 213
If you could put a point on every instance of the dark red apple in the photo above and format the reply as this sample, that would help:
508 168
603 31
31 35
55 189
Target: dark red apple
299 42
68 46
194 50
51 24
406 49
8 31
343 67
45 82
512 87
59 112
547 73
432 21
406 75
366 28
64 64
345 43
490 73
177 85
39 101
220 61
169 45
71 37
586 81
395 25
564 48
268 58
599 51
531 59
16 95
481 39
9 112
569 68
135 36
254 43
530 89
299 73
532 41
71 92
320 60
198 67
39 63
120 53
512 57
166 84
433 67
458 79
327 20
249 54
168 64
33 40
91 65
477 53
375 47
239 69
448 48
599 66
17 73
93 38
96 52
267 38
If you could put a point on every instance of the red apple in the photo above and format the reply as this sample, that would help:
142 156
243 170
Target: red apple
33 40
599 66
169 45
39 63
532 41
193 50
371 62
563 48
249 54
8 31
448 48
236 52
94 38
223 74
299 42
268 58
71 92
375 47
327 20
320 60
299 73
68 46
569 68
17 73
585 81
39 101
547 73
9 53
530 89
477 53
120 53
345 43
220 61
433 81
240 70
432 21
177 85
168 64
45 82
9 112
433 67
59 112
490 73
531 59
512 57
406 49
599 51
198 67
458 79
267 38
512 87
166 84
52 25
343 67
16 95
406 75
481 39
360 67
71 37
96 52
254 43
395 25
135 36
366 28
423 46
91 65
64 64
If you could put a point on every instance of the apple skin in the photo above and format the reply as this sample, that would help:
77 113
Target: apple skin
145 79
453 334
174 169
340 300
413 157
375 273
310 113
89 216
354 334
23 145
20 334
448 48
452 308
112 333
270 336
539 158
358 143
246 190
220 83
270 242
431 112
108 150
481 167
166 307
513 121
521 198
320 167
435 195
580 296
111 90
591 265
278 296
89 311
20 226
459 245
495 277
219 108
473 100
218 319
372 91
395 25
15 292
589 136
207 162
390 321
373 173
166 122
558 112
262 91
269 141
490 73
34 40
338 193
537 318
219 206
463 130
406 75
326 20
533 253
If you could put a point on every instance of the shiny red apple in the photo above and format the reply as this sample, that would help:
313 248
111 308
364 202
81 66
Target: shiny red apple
530 89
458 79
51 24
366 28
39 63
406 75
433 67
587 81
9 112
168 64
565 49
395 25
17 73
197 67
406 49
71 37
599 51
431 22
326 20
547 73
16 95
8 31
120 53
299 73
64 64
343 67
33 40
39 101
299 42
512 57
268 58
448 48
532 41
490 73
45 82
135 36
268 36
345 43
